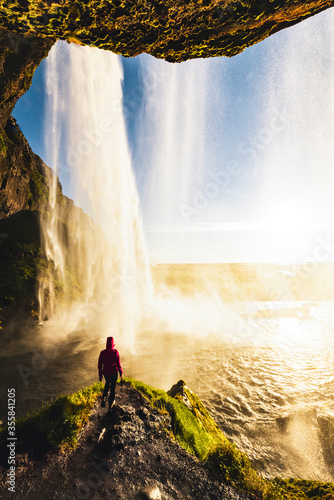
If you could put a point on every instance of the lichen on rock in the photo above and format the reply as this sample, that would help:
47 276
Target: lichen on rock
174 30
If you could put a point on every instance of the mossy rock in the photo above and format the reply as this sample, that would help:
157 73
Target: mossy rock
165 29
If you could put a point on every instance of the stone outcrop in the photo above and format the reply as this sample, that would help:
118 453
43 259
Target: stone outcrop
19 57
174 30
23 183
23 175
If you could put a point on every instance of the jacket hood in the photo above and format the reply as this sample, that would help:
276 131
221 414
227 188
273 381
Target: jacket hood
110 343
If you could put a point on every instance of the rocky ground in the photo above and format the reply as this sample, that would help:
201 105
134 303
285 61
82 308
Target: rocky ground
121 454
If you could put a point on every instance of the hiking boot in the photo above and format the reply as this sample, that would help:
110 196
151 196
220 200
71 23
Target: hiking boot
103 403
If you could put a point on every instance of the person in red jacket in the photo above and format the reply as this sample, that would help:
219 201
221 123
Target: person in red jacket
109 366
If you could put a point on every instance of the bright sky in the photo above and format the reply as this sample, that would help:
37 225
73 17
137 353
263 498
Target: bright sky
233 157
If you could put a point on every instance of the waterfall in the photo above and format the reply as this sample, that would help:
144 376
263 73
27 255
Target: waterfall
175 119
100 275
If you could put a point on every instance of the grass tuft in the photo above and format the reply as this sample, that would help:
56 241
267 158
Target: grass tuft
186 428
56 425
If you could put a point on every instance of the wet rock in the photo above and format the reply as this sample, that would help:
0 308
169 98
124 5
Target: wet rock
151 493
143 413
326 438
101 436
126 429
179 391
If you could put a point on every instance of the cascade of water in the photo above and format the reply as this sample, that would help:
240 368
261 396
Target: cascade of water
174 117
295 128
50 228
106 276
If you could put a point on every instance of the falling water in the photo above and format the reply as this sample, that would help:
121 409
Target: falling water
296 130
100 277
178 149
50 229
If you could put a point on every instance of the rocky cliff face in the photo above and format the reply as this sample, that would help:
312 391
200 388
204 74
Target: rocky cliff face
19 57
23 182
23 175
174 30
24 193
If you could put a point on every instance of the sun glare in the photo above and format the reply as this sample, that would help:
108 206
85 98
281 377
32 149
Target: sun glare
290 227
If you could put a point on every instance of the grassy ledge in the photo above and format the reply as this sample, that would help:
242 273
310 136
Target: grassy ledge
196 431
57 425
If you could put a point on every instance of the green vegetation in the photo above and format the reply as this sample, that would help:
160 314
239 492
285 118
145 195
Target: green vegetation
20 256
23 264
56 424
186 428
196 431
38 190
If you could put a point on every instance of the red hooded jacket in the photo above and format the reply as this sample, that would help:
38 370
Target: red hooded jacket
109 362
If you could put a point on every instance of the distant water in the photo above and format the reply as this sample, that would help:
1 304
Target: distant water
269 387
265 371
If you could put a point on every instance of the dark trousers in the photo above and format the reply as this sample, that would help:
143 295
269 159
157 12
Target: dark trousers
110 384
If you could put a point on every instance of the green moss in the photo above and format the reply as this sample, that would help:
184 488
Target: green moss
182 393
196 431
56 424
38 189
23 264
186 428
19 254
304 489
171 29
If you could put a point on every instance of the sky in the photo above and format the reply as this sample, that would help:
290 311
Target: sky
232 157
